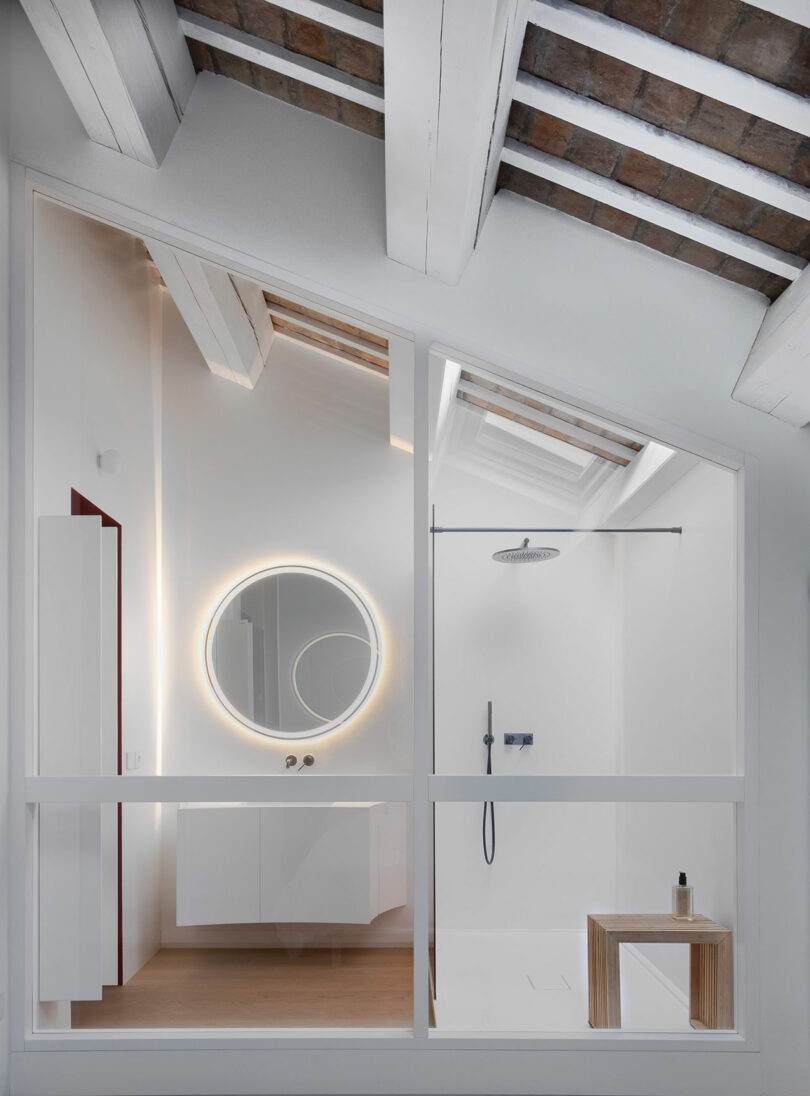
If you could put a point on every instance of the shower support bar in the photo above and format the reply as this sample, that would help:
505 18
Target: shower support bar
525 529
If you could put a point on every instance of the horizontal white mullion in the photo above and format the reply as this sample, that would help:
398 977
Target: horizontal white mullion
650 209
270 56
587 789
339 15
282 788
354 341
671 62
698 159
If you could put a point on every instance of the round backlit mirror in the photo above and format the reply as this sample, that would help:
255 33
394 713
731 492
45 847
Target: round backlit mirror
292 652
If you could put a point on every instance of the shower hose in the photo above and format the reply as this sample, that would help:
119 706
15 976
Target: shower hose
489 856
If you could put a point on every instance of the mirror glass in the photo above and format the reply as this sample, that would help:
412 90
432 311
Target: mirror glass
292 652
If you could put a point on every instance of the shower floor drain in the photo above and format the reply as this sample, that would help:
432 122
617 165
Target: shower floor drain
542 979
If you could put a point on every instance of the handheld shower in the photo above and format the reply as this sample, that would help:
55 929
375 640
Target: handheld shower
489 738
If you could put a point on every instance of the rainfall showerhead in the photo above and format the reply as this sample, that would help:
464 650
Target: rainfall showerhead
525 554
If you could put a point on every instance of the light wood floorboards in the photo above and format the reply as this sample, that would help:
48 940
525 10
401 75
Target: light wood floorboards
250 987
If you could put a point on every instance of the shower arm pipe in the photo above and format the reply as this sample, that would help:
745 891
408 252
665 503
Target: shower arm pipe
548 529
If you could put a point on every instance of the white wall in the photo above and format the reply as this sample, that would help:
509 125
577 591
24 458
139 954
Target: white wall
620 656
656 841
96 360
5 89
540 641
298 470
565 304
679 645
679 709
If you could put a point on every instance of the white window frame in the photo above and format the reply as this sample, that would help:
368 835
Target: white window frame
422 788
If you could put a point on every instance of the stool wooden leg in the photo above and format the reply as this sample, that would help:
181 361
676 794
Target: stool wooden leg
711 985
604 996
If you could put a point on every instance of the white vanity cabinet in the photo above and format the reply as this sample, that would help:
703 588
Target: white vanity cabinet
290 862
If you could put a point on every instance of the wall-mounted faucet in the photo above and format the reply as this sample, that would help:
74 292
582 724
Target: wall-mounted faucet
290 760
520 740
308 760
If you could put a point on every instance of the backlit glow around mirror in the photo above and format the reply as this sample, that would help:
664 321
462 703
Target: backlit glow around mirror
293 652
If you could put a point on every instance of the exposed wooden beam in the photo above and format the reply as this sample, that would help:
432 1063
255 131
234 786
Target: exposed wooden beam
650 209
699 159
270 56
227 316
541 428
449 66
326 330
681 66
124 66
340 15
776 375
548 409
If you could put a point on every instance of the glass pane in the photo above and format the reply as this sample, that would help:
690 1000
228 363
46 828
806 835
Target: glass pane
615 650
308 470
233 915
512 940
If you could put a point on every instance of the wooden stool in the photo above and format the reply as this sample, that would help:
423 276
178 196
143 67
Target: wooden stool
711 988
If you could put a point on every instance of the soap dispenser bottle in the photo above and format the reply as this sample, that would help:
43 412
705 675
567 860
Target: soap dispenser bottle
682 908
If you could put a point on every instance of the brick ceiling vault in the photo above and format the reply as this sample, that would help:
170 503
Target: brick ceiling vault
728 31
736 35
302 36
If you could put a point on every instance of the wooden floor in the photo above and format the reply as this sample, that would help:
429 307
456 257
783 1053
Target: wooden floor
251 987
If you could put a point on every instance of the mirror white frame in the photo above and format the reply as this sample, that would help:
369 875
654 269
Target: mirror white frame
374 642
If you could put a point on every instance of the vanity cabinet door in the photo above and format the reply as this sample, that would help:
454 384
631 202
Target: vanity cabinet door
317 864
218 865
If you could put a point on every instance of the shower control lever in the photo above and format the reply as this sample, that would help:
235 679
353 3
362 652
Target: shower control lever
518 740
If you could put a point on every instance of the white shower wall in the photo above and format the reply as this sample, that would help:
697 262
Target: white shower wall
539 640
620 656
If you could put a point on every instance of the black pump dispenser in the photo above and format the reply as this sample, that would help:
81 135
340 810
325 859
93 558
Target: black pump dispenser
682 899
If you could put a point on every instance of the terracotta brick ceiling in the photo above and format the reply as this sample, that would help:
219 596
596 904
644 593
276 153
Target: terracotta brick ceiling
299 35
730 32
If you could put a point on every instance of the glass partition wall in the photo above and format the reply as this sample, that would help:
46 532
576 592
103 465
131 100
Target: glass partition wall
584 596
265 839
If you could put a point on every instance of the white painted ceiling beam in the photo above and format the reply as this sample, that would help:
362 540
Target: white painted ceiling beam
270 56
449 67
699 159
340 15
124 66
227 316
650 209
776 375
797 11
681 66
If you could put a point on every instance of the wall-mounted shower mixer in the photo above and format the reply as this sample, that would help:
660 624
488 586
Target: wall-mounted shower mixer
520 740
